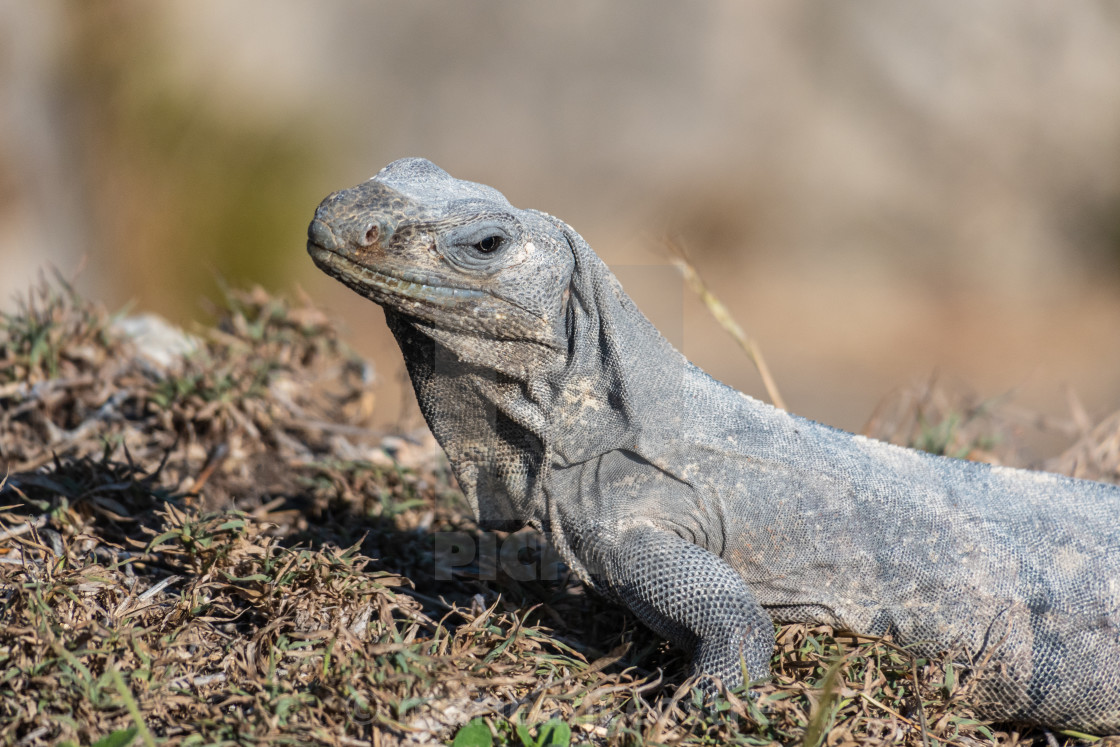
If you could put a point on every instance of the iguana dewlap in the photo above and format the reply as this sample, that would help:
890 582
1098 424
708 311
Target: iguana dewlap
709 514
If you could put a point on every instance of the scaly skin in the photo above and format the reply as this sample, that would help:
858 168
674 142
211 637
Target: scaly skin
706 512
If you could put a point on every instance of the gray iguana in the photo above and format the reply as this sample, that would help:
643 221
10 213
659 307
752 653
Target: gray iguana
709 514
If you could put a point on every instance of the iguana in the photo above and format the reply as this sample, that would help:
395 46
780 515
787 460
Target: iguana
709 514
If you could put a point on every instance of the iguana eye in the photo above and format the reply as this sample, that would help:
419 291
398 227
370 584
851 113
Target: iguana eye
478 246
489 244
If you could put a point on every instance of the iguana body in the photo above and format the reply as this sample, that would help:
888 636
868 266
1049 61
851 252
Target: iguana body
708 513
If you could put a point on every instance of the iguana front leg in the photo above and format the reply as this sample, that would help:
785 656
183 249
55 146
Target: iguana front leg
690 596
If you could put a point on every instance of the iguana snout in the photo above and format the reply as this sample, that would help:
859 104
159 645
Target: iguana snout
358 223
365 216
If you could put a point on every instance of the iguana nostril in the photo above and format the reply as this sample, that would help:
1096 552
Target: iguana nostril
372 235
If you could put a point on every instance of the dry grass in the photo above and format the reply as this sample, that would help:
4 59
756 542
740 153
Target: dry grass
223 552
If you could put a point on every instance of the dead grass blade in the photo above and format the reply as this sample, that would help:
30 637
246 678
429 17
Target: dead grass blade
724 318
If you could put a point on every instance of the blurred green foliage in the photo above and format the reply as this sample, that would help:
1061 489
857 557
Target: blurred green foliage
184 191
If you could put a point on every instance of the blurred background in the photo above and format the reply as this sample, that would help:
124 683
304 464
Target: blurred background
878 190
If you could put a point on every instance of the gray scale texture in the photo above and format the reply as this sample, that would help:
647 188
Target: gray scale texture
709 514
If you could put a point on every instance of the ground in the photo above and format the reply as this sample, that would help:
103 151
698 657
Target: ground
220 549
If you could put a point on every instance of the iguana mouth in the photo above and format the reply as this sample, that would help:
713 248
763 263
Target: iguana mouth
381 287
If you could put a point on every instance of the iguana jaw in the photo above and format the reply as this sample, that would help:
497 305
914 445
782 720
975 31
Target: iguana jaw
391 290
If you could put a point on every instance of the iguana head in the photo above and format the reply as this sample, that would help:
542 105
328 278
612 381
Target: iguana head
450 254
